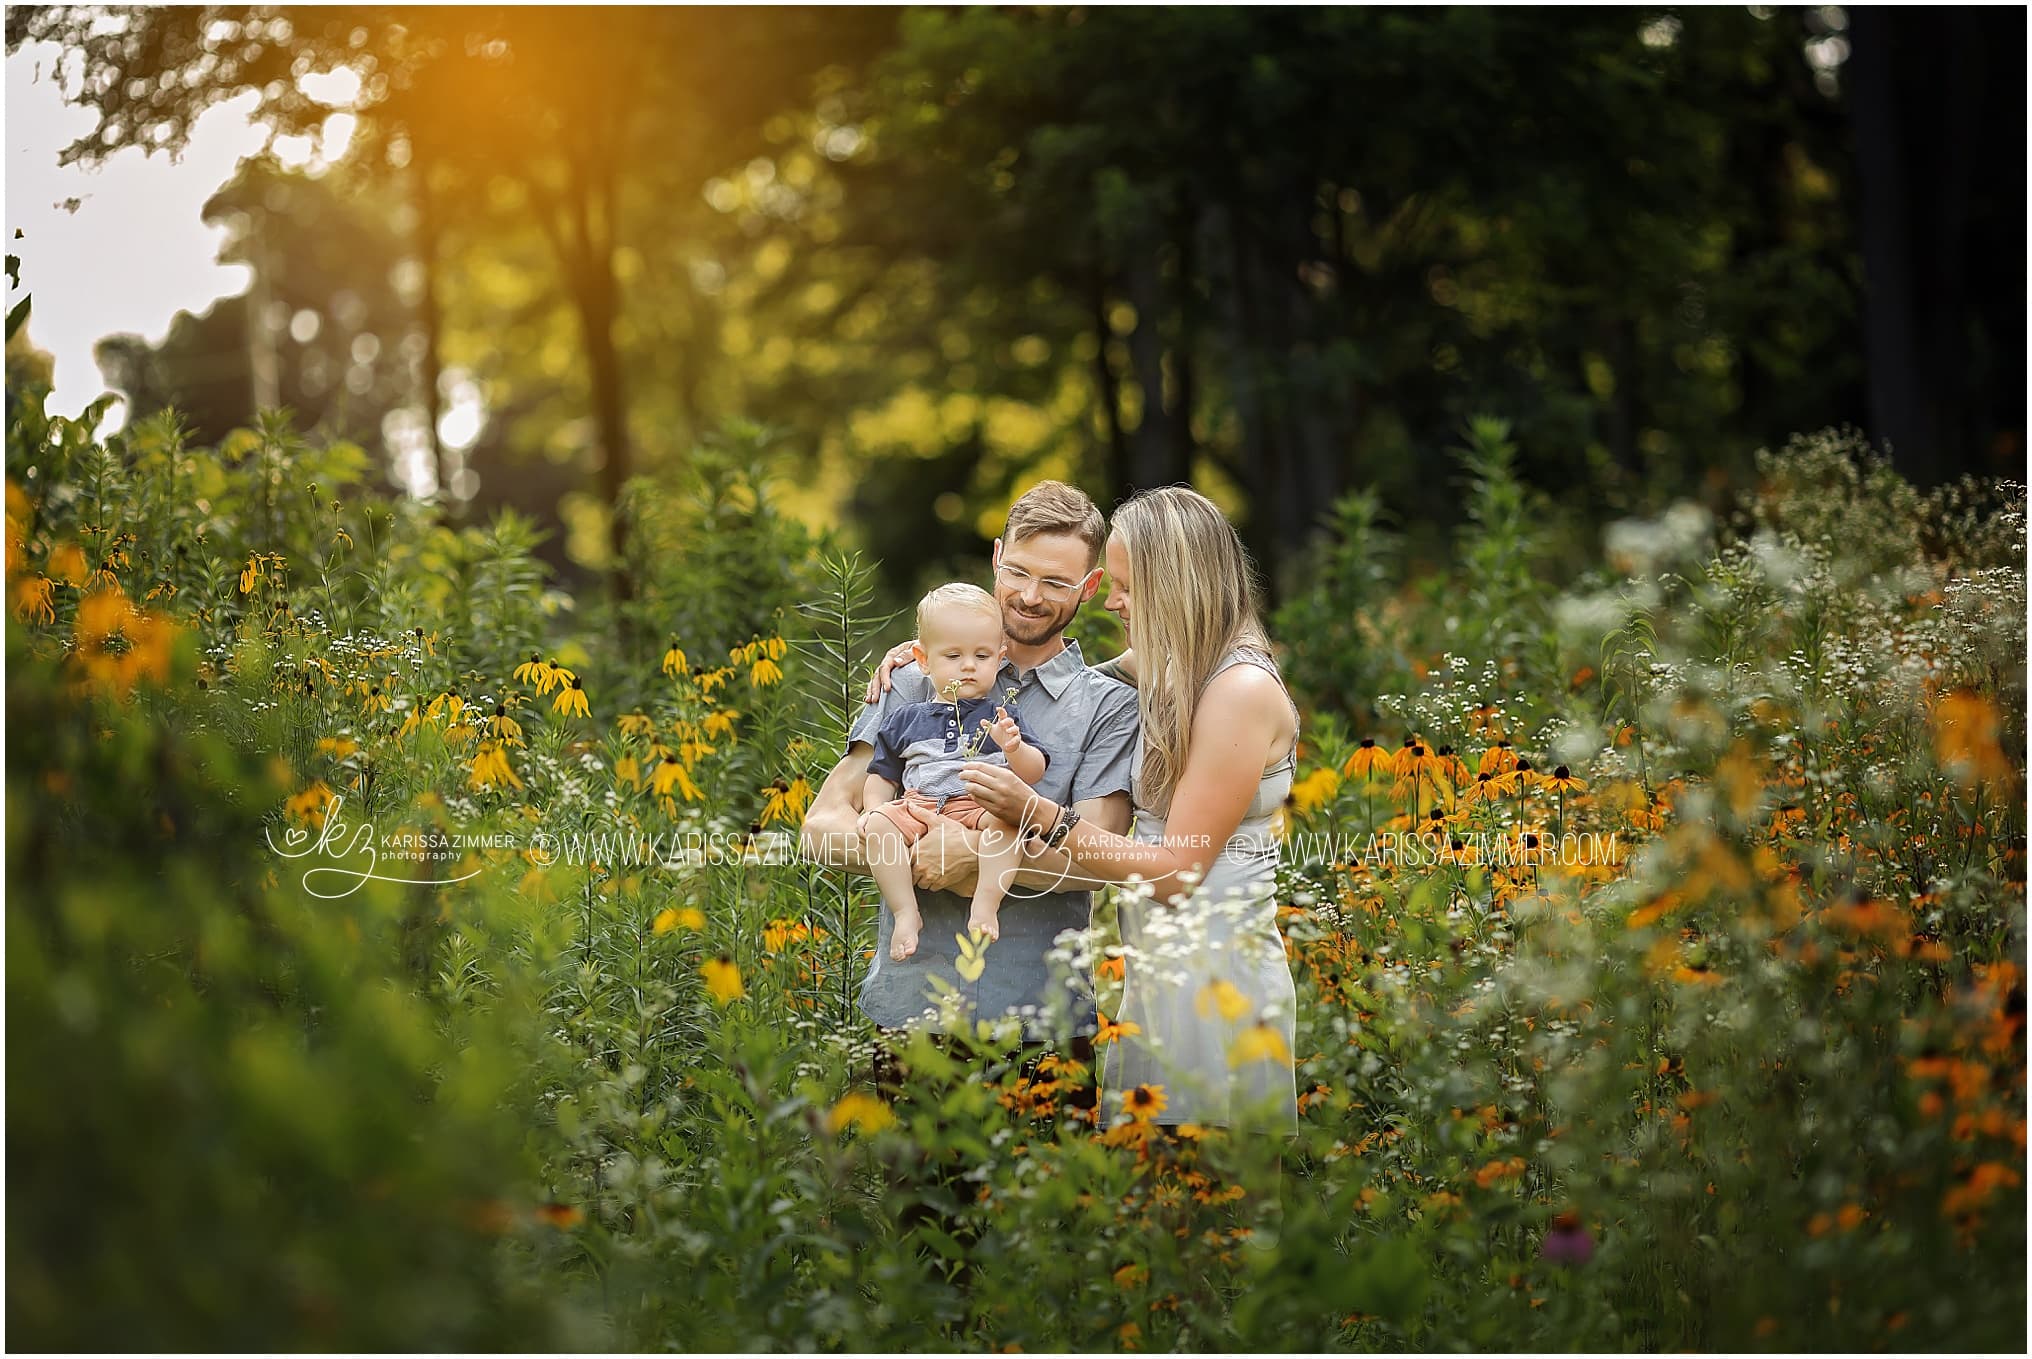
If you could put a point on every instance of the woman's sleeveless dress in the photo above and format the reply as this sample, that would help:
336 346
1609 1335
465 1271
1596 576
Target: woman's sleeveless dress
1207 983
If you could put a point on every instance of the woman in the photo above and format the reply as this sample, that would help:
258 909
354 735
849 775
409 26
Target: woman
1205 976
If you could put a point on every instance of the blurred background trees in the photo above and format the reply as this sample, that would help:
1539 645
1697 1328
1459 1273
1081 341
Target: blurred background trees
1284 254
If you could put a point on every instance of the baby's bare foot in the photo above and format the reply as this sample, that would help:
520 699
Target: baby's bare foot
984 920
903 939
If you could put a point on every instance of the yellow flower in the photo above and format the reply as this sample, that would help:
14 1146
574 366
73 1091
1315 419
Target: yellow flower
1965 731
376 700
32 600
532 670
1259 1043
671 917
708 680
858 1110
723 979
1111 1032
250 573
570 699
1145 1101
310 804
1315 790
720 723
1129 1276
504 726
765 672
1368 759
113 644
785 801
628 770
637 724
338 747
673 660
490 768
775 646
1224 996
67 564
670 773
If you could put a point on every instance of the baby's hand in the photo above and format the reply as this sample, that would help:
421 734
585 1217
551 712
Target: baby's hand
1004 730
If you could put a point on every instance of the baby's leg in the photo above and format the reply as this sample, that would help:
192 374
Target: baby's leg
1001 848
887 852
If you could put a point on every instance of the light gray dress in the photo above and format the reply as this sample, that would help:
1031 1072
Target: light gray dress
1207 982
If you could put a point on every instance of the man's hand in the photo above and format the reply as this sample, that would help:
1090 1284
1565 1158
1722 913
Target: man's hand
945 859
878 684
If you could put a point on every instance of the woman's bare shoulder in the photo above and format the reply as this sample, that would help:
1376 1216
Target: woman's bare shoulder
1245 690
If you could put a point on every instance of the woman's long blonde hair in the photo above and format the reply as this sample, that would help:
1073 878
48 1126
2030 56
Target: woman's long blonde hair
1193 593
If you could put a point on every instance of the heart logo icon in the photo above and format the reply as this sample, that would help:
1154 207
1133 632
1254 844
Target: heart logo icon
295 836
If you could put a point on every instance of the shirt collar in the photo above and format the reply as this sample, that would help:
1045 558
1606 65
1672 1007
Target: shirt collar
1058 672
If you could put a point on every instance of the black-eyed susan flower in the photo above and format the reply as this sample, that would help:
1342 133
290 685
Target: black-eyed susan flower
32 600
673 660
719 723
250 574
786 801
1368 758
628 773
531 671
636 724
309 805
1259 1043
859 1110
1497 759
1221 997
490 768
678 917
504 727
723 979
377 700
764 672
1315 790
1110 1031
1144 1102
571 698
672 774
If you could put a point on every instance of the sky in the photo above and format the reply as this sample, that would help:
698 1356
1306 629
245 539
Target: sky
134 252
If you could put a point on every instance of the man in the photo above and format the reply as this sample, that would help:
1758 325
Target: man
1046 565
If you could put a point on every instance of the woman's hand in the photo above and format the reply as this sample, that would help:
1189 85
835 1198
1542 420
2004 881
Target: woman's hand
878 683
1001 792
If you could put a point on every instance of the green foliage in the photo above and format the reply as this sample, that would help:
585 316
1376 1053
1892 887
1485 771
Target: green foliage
1750 1078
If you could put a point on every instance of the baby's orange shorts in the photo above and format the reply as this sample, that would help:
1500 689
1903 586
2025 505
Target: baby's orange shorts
960 807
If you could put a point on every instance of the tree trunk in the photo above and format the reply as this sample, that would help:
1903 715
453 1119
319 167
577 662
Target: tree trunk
1115 458
431 318
1153 445
1925 117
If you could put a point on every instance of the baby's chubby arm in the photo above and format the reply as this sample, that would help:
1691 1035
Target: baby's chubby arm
1025 760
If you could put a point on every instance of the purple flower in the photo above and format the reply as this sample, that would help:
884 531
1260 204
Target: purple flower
1568 1243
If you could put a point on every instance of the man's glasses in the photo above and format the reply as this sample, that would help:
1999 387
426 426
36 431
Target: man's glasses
1049 587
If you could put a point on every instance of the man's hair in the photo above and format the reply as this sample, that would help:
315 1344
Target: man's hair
1054 507
957 594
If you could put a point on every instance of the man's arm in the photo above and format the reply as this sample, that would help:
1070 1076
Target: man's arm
829 835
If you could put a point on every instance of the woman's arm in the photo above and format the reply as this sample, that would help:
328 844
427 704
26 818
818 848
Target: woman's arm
1240 721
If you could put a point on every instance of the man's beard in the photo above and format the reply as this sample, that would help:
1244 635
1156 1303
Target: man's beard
1032 631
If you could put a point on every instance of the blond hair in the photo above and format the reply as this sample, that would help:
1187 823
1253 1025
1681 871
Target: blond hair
1054 507
956 594
1195 600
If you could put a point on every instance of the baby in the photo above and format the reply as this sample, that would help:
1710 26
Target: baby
922 746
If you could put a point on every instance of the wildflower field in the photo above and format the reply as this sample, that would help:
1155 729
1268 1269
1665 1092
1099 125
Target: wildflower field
402 954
